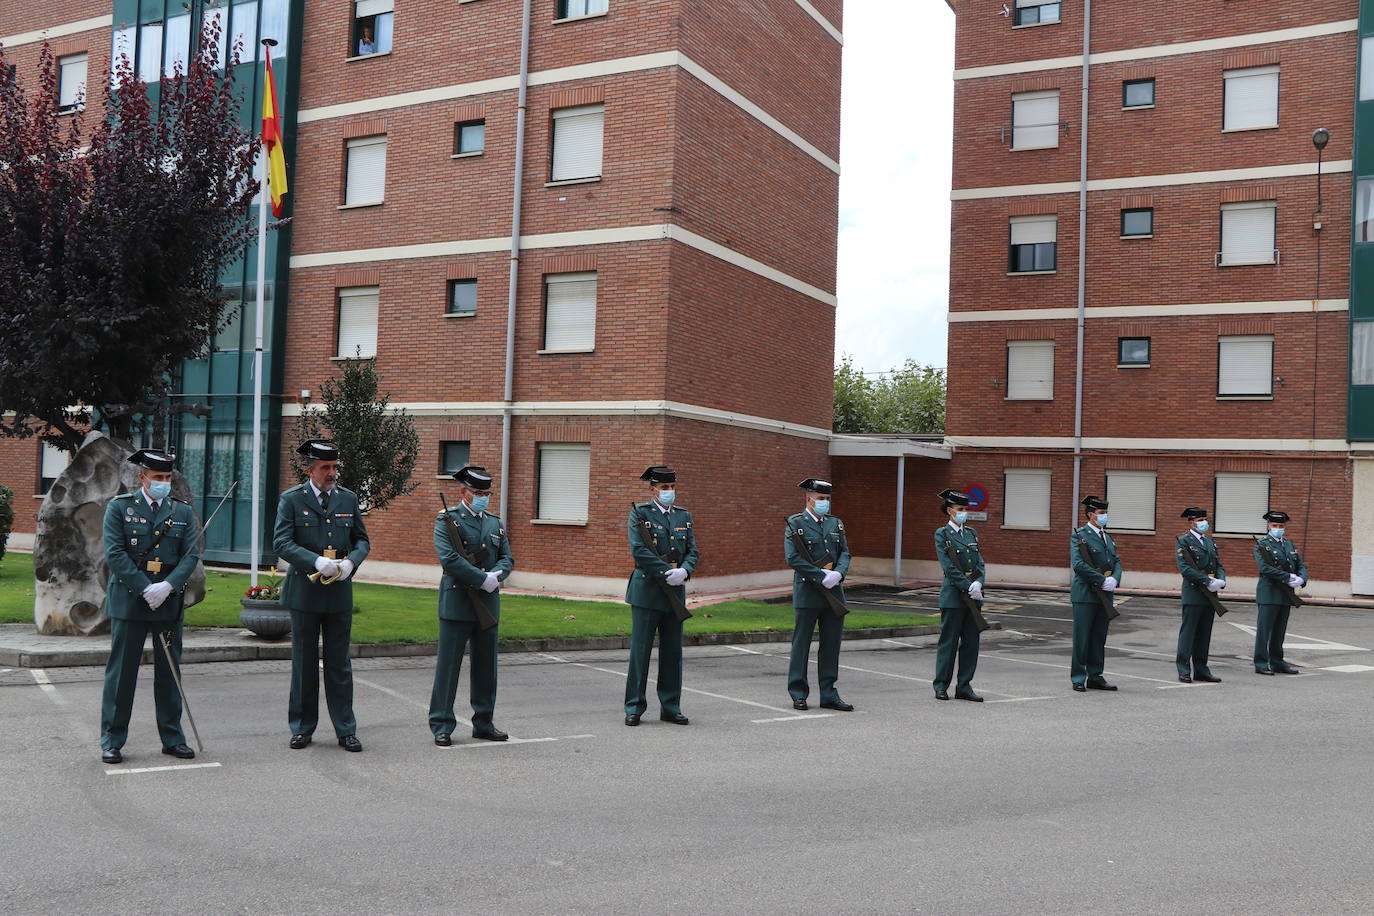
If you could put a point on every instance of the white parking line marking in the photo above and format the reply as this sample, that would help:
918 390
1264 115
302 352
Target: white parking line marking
41 678
181 766
654 681
1308 642
1022 699
1350 669
457 747
1026 661
819 715
746 651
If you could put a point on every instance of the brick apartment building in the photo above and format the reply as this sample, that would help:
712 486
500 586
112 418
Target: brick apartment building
674 300
1227 351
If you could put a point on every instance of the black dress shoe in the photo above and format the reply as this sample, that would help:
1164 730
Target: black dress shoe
800 704
490 733
444 740
676 718
351 743
1186 678
942 694
1100 685
838 704
180 750
1264 671
1285 668
967 695
299 741
111 755
632 719
1207 678
1079 687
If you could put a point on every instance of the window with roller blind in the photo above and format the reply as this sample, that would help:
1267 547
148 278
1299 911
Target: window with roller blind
569 313
1245 366
1251 98
1030 370
1035 120
1036 12
1026 498
52 462
1132 495
1242 500
365 178
564 480
1033 244
372 27
1247 233
577 143
357 322
572 9
71 82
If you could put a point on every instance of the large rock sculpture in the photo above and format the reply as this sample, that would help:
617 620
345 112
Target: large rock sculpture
69 568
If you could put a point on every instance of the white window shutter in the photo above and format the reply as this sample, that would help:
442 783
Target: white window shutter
1252 98
366 178
54 462
1245 365
1242 500
577 142
1247 233
570 311
1035 120
71 81
1030 370
358 321
1026 498
564 479
372 8
1033 230
1132 495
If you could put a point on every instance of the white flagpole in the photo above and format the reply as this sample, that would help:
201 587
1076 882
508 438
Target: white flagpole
257 366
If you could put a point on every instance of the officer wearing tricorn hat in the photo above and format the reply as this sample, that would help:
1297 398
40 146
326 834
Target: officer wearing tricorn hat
321 534
1281 573
1092 554
1199 562
818 552
151 547
956 547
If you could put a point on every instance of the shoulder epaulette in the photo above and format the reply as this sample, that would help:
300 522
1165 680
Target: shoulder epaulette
184 502
124 496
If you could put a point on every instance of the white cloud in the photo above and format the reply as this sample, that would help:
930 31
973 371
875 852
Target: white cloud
896 135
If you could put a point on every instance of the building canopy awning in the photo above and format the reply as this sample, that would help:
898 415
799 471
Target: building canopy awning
889 446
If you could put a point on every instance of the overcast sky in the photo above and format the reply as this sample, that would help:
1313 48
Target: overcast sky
896 123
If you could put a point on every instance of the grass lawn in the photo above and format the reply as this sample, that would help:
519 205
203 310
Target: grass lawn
389 613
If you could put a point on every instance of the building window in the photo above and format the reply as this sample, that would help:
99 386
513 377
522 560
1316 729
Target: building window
1133 351
1035 120
569 313
366 179
1247 233
1032 244
52 462
1242 500
1138 223
71 82
1251 100
371 27
469 137
1026 498
358 322
577 139
1132 495
1138 93
1030 370
1364 210
564 478
1366 69
462 297
570 9
1245 366
1036 12
453 456
1362 353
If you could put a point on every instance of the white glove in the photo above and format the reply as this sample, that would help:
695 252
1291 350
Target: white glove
675 576
346 568
490 583
832 578
157 593
1109 584
975 591
325 567
1295 581
1215 585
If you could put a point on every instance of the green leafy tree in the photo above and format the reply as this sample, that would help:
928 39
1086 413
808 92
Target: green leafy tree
910 399
378 446
6 516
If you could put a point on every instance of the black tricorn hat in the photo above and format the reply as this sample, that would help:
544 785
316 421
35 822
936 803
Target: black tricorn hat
816 485
1193 512
318 450
152 459
953 498
474 476
1275 516
1094 503
659 474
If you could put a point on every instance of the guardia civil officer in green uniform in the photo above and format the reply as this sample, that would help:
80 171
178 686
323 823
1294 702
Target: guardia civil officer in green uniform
1199 561
479 564
819 564
320 530
664 549
1095 562
151 547
956 546
1281 573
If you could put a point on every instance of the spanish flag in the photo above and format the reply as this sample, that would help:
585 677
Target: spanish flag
271 141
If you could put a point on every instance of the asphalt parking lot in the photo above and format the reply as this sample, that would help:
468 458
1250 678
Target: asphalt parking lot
1247 796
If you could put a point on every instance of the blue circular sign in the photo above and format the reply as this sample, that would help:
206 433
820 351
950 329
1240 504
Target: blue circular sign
977 497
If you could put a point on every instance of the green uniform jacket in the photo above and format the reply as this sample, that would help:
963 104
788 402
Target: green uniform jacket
1102 550
1195 576
484 539
964 545
1276 560
304 532
675 539
826 542
131 528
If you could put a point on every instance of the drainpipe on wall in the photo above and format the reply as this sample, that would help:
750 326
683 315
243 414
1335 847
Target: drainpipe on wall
508 390
901 496
1082 268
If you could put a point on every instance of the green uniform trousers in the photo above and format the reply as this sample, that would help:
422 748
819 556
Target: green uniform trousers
127 638
958 635
454 636
827 658
303 709
645 622
1089 643
1271 626
1194 640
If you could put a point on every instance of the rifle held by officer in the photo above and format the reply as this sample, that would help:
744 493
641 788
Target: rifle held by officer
1289 591
1211 596
485 620
650 543
1104 597
979 621
837 606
